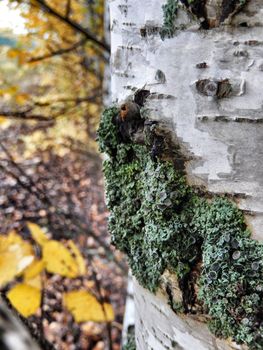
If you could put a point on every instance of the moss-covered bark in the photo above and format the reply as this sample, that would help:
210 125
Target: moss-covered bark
161 223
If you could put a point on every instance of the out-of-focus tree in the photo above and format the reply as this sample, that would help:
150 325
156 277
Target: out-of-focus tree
51 94
64 47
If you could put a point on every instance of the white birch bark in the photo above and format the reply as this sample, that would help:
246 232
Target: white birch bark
223 137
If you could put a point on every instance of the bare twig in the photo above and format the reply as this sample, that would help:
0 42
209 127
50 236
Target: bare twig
28 114
76 101
68 9
101 300
58 52
25 115
89 36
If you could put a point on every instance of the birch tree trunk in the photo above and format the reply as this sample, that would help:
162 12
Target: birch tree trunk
207 84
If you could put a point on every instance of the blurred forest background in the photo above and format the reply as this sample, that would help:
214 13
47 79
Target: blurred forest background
51 96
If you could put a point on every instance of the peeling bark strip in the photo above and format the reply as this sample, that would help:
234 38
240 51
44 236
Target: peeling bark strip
221 137
219 89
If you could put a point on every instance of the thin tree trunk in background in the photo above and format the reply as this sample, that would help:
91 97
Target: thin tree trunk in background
13 335
219 129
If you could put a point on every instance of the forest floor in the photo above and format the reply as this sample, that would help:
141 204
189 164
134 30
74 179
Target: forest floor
65 194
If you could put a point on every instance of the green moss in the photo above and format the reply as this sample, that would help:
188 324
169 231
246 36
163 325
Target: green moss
159 221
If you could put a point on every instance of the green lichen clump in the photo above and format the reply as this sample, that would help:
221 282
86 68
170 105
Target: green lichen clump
159 221
143 197
170 10
231 283
131 343
198 11
169 16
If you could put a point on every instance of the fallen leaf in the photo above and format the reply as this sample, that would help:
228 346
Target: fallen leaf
34 282
78 257
59 260
37 233
34 269
15 255
85 307
25 299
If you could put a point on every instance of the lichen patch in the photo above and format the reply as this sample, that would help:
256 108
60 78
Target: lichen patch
163 224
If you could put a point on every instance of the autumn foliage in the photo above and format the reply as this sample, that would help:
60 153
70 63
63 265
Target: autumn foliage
18 259
57 268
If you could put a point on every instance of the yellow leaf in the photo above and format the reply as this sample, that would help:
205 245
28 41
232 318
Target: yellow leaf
37 233
15 255
34 282
13 53
22 58
58 260
34 269
20 55
85 307
78 257
32 274
3 119
22 98
10 90
25 299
